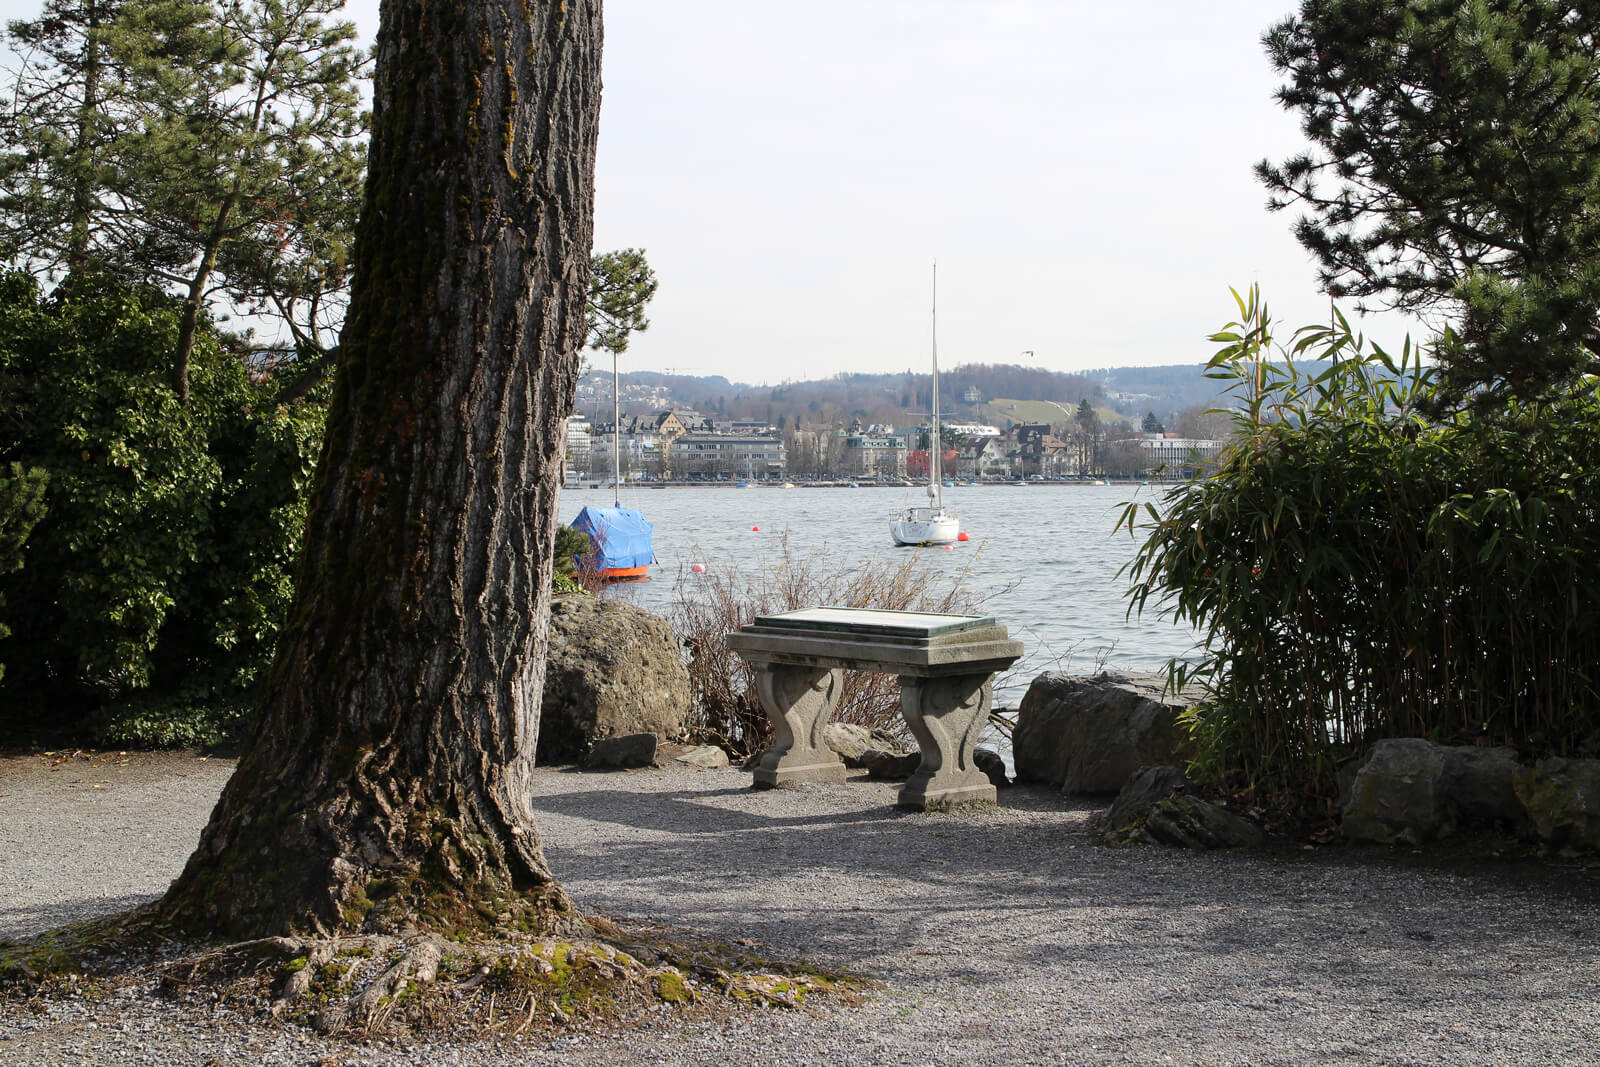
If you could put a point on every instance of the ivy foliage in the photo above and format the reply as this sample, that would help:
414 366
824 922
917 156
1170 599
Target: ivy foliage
21 508
1359 569
150 592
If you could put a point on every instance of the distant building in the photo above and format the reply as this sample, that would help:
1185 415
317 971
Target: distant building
875 456
1180 456
969 429
579 443
986 459
715 457
917 463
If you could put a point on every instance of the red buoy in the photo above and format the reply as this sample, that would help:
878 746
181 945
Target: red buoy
948 548
698 568
962 536
755 529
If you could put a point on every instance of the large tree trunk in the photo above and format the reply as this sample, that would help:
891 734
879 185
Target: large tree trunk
386 783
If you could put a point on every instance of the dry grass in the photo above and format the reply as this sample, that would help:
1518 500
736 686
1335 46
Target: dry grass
726 711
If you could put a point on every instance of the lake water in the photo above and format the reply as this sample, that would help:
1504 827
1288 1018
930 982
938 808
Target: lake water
1047 557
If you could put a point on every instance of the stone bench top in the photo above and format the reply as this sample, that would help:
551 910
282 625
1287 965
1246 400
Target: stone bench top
901 642
877 622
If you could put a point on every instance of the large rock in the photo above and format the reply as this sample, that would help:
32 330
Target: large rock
614 670
1562 799
1411 791
628 750
1089 734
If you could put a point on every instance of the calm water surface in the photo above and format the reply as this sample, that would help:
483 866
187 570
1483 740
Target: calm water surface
1046 557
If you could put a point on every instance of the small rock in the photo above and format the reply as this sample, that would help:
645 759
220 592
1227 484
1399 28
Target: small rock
702 756
1189 822
993 764
1147 787
629 750
848 740
890 766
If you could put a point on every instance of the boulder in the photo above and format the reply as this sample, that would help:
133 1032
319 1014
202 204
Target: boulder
629 750
1482 784
1562 799
992 764
1089 734
614 669
1397 794
1411 791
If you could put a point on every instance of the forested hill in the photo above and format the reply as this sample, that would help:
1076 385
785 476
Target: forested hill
965 392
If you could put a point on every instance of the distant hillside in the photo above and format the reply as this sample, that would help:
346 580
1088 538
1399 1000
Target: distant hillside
980 392
1164 390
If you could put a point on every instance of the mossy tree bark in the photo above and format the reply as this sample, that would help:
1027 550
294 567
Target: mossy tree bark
386 783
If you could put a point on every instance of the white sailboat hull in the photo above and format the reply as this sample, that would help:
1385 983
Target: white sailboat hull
925 526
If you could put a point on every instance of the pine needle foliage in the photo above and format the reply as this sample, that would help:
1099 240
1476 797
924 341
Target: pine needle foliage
1359 571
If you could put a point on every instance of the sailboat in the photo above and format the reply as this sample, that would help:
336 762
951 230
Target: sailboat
622 538
930 524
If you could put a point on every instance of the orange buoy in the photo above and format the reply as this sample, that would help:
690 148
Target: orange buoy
962 536
698 568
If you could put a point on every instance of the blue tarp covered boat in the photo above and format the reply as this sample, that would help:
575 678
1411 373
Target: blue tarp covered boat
622 542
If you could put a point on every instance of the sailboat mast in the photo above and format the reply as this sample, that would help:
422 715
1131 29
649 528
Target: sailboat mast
936 453
616 433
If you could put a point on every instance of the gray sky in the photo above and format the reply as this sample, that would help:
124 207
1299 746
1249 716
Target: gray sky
1080 171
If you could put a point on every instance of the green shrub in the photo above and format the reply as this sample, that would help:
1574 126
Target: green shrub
161 568
1359 570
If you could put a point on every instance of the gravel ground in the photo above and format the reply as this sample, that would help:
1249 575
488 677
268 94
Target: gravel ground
1002 937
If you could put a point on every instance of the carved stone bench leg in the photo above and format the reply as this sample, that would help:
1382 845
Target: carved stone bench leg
945 716
798 701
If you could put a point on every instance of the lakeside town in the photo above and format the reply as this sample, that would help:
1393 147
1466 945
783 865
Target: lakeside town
663 438
686 446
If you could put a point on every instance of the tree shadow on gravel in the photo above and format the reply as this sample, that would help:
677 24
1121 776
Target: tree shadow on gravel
18 922
977 898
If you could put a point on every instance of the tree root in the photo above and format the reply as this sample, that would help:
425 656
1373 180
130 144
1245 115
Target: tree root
385 984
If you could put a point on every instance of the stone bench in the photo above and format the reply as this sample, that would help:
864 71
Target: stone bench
946 665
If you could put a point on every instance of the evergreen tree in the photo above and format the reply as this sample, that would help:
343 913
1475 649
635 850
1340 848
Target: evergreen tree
215 150
621 283
1456 169
65 106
